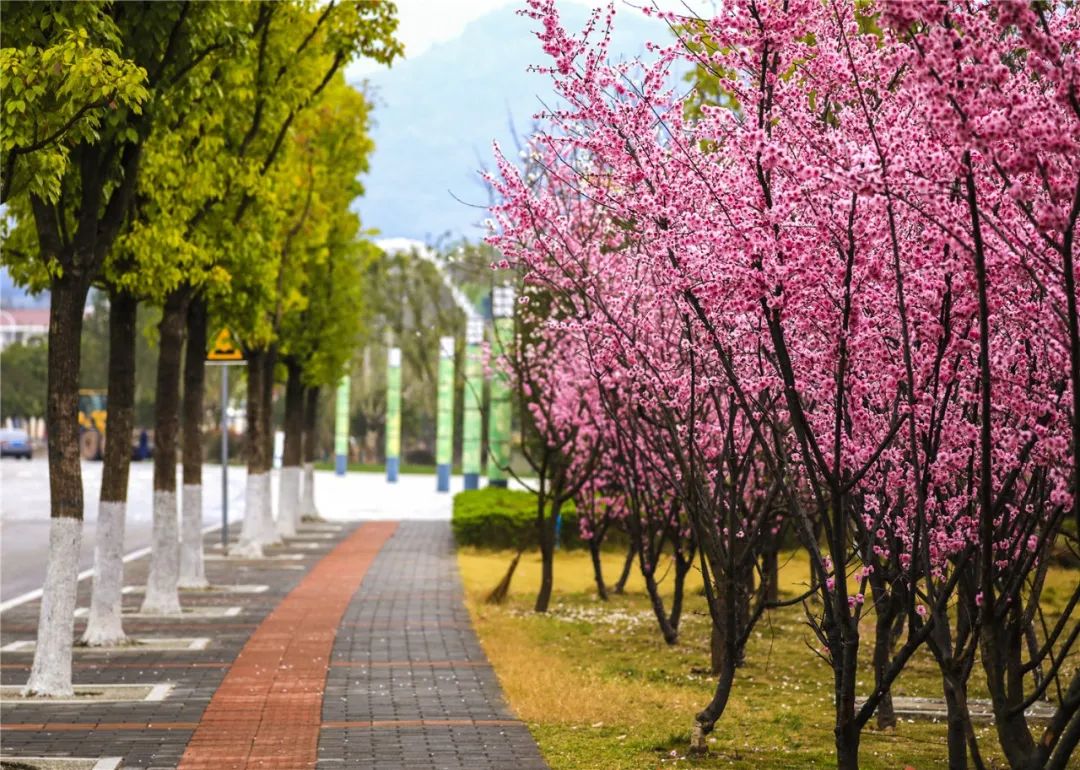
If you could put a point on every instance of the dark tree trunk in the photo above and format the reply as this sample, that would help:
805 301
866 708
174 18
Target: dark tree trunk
670 634
620 585
167 393
311 425
546 526
884 617
292 454
257 459
847 746
1065 727
742 607
846 731
725 654
194 391
269 363
1000 644
598 569
121 407
885 713
960 734
62 407
957 720
722 638
501 591
716 650
682 567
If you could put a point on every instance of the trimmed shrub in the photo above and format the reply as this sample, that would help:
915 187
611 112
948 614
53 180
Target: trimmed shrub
504 518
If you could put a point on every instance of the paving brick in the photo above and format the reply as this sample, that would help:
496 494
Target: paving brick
409 685
313 672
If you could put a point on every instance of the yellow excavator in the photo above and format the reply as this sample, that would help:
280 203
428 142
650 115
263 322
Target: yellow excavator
92 417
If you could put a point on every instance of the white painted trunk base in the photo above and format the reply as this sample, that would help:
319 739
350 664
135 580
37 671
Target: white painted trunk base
105 628
288 501
308 510
162 596
270 534
192 569
250 545
51 673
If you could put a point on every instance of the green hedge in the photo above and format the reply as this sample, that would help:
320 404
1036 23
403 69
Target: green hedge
504 518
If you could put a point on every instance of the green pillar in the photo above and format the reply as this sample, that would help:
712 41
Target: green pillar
341 427
393 414
502 305
471 438
444 427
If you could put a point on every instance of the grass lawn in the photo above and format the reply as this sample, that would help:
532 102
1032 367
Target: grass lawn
599 689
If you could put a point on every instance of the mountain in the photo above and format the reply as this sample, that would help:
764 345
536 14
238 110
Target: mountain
437 114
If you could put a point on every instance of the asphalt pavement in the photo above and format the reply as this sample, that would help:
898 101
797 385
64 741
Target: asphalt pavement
24 509
24 515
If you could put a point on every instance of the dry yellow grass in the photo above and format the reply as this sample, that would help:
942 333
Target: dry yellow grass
601 691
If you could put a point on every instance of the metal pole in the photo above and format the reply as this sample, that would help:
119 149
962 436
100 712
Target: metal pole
225 456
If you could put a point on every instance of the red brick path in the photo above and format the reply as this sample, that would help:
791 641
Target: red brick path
268 710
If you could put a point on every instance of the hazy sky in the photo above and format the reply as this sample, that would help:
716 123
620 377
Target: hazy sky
423 23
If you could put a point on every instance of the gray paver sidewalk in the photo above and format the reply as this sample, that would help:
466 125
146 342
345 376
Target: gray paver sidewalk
407 686
416 670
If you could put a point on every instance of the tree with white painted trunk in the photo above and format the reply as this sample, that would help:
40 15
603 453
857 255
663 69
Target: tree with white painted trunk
258 464
104 625
308 509
319 332
289 491
162 584
99 72
264 216
192 568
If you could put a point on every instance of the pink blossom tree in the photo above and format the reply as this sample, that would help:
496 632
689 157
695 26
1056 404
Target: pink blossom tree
849 286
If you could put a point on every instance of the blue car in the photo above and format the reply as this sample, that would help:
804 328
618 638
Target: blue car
15 443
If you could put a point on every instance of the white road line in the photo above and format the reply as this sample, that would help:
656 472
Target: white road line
138 553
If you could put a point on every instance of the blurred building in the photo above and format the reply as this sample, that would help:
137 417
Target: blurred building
23 324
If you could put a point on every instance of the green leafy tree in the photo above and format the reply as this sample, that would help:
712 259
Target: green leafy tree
63 74
23 368
319 309
70 190
248 227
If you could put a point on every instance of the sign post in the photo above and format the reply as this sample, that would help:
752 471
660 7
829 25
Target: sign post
393 414
225 354
224 457
341 427
499 421
444 433
471 432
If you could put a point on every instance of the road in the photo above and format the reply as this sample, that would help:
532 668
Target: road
24 509
24 515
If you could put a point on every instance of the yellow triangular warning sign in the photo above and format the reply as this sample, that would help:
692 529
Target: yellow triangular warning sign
224 349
